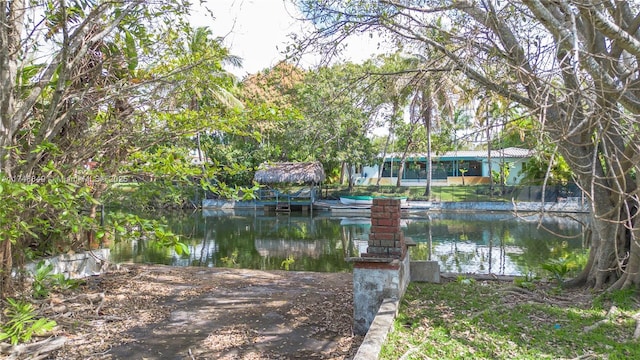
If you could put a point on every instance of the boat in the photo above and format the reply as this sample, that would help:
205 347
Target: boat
366 200
356 200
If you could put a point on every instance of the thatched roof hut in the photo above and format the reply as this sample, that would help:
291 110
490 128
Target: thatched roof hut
290 173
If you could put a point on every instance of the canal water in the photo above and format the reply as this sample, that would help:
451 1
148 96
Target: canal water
483 243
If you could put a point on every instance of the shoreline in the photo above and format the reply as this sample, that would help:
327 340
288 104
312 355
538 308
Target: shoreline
334 206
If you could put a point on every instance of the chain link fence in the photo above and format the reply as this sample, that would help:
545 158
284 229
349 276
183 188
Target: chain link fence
520 193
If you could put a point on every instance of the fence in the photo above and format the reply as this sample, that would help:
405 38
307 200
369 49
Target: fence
556 193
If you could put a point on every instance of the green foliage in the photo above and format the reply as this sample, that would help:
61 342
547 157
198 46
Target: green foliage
535 170
501 177
330 111
463 280
43 213
44 281
127 226
626 299
132 104
230 261
525 282
481 321
559 268
286 263
152 195
519 131
21 322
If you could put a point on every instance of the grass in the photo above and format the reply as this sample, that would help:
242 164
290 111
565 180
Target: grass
497 320
454 193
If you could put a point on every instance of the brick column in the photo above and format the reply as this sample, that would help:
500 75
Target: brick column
386 239
383 271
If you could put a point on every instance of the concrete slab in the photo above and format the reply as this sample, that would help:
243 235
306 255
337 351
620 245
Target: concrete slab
425 271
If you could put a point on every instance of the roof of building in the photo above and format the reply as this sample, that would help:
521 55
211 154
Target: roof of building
511 152
290 173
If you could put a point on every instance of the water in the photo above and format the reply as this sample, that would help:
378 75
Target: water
466 243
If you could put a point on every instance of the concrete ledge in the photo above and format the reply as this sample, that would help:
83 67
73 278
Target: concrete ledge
425 271
379 330
567 206
75 266
370 259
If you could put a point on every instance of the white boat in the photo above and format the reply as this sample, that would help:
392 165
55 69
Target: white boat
365 200
356 200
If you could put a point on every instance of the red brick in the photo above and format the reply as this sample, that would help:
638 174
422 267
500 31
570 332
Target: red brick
374 265
386 222
392 209
387 243
381 201
377 208
385 236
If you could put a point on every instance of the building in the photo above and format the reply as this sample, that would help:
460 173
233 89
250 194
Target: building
451 168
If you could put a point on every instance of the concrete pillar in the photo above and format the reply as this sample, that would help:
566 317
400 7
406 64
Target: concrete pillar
383 271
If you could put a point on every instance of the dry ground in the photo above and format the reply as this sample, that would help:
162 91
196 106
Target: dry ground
158 312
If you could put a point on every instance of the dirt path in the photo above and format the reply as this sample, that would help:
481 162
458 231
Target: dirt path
158 312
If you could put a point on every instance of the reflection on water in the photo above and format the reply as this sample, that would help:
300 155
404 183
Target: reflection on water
494 243
474 243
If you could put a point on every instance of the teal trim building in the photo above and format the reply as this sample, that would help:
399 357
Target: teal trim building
450 168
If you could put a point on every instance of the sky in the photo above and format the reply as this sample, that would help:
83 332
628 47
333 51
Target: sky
256 31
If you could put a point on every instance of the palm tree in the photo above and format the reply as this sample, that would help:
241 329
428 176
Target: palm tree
395 81
435 92
203 48
490 108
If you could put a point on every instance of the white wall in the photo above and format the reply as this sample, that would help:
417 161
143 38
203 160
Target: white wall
515 169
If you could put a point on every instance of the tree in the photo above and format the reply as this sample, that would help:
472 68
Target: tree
83 85
340 106
272 114
434 99
321 114
571 63
203 106
393 80
408 141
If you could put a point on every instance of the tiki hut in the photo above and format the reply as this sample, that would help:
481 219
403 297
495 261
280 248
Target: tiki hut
309 173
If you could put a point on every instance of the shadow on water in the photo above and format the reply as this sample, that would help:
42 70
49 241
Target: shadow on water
496 243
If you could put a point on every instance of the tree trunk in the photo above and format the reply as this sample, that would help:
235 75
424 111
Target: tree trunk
427 113
12 18
6 264
489 153
614 253
401 169
350 177
386 144
427 189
